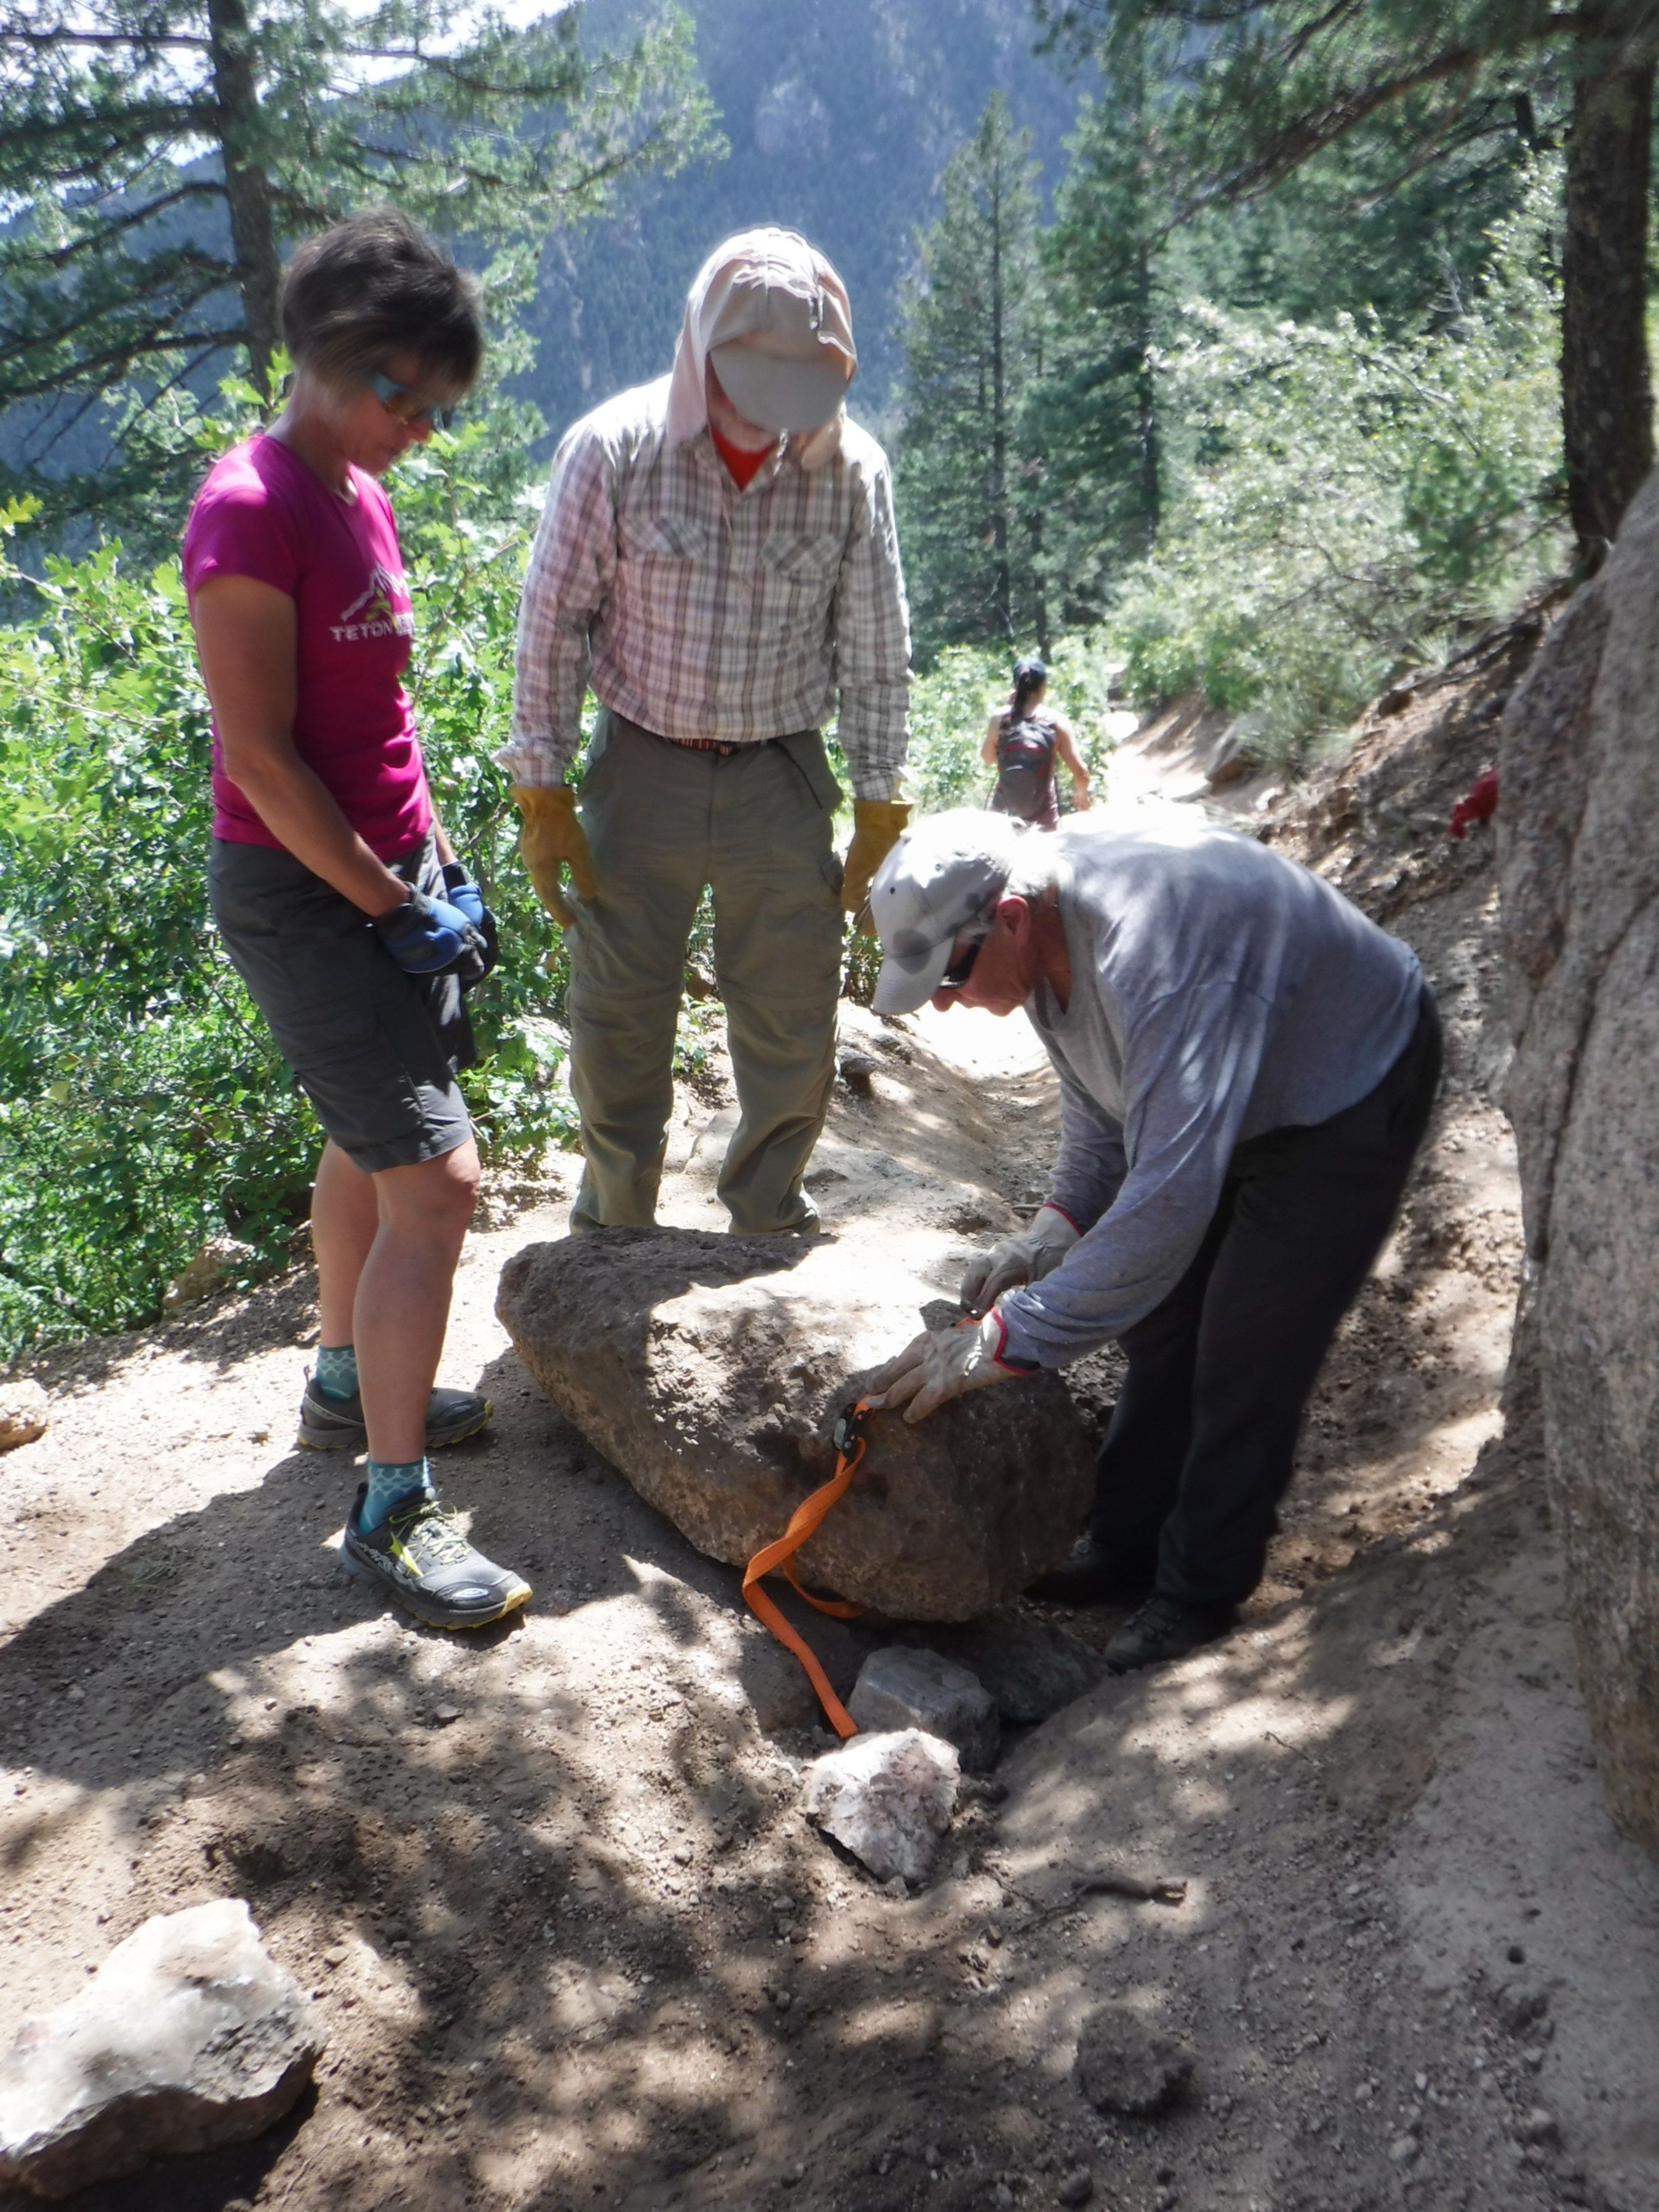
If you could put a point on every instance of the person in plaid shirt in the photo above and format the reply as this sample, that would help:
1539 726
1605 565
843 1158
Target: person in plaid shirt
718 559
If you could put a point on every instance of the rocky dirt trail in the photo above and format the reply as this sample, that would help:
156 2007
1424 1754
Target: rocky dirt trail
572 1941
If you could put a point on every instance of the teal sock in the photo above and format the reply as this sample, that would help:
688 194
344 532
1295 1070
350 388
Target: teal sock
336 1372
389 1484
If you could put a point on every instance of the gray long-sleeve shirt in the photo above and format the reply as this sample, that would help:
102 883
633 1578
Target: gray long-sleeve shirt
1218 990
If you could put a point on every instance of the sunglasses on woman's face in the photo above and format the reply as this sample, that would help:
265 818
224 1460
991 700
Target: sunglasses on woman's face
399 401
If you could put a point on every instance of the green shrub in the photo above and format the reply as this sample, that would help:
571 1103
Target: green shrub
1340 494
143 1103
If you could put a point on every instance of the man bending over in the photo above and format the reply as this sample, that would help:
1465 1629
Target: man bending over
1246 1066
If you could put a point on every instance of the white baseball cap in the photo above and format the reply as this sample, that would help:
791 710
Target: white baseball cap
945 872
782 343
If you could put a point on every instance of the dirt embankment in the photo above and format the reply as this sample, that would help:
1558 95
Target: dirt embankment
574 1945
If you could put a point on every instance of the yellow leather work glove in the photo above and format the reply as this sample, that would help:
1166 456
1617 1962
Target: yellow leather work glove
550 837
876 826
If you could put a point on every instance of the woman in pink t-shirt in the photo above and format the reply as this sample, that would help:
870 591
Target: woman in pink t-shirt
336 894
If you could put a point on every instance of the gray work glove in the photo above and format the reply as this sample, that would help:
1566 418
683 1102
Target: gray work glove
1036 1251
942 1364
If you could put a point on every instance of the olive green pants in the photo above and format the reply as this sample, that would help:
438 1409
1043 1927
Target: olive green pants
754 826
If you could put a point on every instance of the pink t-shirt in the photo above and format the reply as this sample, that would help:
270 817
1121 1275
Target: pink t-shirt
262 514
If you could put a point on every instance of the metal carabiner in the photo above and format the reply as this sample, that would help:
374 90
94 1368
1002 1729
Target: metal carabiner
849 1429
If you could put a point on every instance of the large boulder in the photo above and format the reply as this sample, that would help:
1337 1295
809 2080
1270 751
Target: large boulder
711 1369
1579 855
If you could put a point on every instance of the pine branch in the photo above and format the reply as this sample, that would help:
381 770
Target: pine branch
14 34
58 257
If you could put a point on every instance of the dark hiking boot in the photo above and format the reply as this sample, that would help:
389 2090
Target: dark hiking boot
337 1424
420 1557
1093 1573
1165 1629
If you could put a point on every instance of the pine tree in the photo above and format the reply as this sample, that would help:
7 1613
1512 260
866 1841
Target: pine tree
1264 86
155 156
1095 416
972 322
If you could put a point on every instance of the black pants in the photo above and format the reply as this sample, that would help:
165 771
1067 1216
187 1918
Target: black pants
1199 1449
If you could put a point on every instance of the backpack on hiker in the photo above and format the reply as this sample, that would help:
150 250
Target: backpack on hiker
1025 768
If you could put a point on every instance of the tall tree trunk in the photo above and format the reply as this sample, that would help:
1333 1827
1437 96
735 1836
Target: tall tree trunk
248 188
1004 607
1607 400
1146 401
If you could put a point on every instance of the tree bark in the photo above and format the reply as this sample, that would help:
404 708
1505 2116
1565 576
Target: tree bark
247 187
1607 400
1146 401
1004 608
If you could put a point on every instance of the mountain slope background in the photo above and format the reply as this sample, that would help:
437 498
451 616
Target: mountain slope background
840 116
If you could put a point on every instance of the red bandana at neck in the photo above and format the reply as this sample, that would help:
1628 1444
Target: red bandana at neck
742 467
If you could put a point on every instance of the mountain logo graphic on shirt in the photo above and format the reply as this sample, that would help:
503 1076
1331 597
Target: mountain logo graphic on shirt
373 613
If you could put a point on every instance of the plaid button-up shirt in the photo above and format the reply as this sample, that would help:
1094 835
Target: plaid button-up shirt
697 610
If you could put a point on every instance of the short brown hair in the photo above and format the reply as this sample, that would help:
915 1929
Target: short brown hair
377 285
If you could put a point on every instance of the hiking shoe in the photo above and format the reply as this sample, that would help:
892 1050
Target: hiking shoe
337 1424
1165 1629
1093 1573
419 1554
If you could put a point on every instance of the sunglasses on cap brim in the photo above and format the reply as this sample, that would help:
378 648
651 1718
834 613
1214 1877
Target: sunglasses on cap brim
399 401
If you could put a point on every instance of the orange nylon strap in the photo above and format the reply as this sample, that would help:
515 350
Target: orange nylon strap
804 1522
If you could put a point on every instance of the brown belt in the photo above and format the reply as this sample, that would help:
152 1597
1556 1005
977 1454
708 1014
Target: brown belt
713 744
719 745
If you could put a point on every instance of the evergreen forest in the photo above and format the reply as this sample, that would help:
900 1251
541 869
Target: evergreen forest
1262 352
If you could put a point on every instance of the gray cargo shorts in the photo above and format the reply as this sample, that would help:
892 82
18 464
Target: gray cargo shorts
375 1050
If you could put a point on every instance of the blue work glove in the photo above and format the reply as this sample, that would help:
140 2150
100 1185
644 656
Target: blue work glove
428 936
463 893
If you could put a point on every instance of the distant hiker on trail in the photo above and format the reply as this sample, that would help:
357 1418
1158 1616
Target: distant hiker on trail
717 557
1246 1069
337 893
1021 743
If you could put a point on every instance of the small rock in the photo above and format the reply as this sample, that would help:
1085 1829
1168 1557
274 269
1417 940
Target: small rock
1029 1668
1076 2187
1123 2065
445 1714
888 1798
188 2037
23 1412
1228 763
1403 2150
856 1070
200 1277
1539 2126
1519 2003
900 1688
1516 1955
